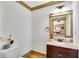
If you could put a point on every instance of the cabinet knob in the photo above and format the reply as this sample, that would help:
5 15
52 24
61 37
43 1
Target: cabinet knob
60 55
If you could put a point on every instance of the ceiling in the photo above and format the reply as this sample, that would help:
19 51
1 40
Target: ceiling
34 3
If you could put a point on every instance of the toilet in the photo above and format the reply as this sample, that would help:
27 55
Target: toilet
12 52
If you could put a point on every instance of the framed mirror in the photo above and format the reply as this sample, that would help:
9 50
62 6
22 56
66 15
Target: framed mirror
61 24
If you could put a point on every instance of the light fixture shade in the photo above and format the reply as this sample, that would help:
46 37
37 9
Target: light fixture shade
60 7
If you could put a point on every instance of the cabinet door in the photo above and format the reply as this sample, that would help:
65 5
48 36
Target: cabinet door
59 52
68 53
52 52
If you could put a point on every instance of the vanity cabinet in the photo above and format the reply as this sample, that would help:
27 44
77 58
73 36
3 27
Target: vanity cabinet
60 52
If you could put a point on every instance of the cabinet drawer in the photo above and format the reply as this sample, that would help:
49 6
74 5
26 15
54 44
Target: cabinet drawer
52 51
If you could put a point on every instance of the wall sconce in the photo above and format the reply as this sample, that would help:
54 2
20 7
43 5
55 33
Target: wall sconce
60 7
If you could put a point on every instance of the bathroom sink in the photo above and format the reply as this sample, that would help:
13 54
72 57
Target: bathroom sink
62 44
62 39
59 40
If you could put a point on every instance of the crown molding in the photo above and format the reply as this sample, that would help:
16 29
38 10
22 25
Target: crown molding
39 6
46 5
24 5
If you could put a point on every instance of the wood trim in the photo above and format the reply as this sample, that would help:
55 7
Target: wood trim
39 6
24 5
45 5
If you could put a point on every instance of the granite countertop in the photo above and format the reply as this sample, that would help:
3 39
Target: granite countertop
62 44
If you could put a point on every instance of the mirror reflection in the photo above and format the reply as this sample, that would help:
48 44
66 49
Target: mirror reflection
59 26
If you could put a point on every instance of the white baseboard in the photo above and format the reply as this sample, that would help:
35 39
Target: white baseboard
25 53
39 51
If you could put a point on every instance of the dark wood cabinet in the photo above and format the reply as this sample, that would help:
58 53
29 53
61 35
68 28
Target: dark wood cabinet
60 52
